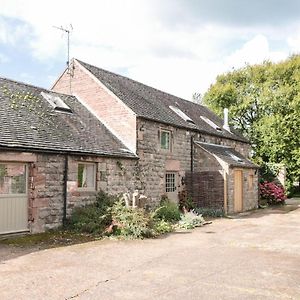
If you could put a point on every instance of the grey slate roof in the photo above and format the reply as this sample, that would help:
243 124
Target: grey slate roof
153 104
227 154
28 121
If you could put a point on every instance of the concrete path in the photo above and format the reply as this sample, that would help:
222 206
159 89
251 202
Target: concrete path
254 256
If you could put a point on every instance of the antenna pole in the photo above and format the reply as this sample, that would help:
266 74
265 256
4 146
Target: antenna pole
67 31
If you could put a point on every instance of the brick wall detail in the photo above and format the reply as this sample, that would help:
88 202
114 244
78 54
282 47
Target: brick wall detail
114 114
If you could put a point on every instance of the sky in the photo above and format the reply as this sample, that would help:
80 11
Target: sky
178 46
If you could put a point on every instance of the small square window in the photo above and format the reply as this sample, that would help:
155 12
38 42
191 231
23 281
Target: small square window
170 183
86 176
165 140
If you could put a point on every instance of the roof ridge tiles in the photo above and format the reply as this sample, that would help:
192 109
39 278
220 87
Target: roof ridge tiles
34 86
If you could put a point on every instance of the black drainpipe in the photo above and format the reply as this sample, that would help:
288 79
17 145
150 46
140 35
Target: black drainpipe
192 154
65 191
192 167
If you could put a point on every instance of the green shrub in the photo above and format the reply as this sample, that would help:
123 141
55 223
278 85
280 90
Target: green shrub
160 227
190 220
93 218
104 200
130 222
110 215
167 211
210 212
89 219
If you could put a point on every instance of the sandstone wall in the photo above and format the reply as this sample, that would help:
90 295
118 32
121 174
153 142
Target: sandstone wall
154 162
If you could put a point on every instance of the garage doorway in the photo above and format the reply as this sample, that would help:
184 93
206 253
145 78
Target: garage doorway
238 190
13 198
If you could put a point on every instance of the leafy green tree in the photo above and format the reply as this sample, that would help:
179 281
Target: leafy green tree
264 104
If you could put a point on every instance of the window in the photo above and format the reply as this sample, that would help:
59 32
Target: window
182 115
86 176
13 179
250 181
234 157
211 123
56 102
165 140
170 182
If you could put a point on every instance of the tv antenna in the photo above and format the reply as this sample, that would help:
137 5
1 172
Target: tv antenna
67 30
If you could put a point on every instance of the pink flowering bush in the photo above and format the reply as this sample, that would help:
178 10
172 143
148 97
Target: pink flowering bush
272 192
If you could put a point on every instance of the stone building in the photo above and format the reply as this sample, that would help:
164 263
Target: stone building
181 146
97 130
54 155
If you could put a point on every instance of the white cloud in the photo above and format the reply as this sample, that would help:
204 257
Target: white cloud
253 51
130 35
294 41
11 32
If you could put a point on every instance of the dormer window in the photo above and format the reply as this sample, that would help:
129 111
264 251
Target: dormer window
211 123
181 114
56 102
236 158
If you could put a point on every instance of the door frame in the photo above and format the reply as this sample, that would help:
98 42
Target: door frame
175 192
240 197
24 196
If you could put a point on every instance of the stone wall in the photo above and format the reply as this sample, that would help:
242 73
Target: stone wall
113 176
46 177
46 183
154 162
250 189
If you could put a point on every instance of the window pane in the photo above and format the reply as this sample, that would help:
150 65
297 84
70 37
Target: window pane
165 140
170 182
90 177
12 179
80 174
86 175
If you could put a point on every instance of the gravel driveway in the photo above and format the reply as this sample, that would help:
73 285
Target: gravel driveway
253 256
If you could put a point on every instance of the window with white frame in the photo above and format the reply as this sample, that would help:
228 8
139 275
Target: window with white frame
211 123
165 140
181 114
57 103
13 179
86 176
170 182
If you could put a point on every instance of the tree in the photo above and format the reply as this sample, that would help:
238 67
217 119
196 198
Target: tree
264 104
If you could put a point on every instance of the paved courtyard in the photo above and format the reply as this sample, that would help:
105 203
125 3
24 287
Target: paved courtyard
253 256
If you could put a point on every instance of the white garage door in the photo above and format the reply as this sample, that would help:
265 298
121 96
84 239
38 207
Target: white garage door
13 198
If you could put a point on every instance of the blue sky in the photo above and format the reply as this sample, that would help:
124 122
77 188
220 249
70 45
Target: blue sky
179 46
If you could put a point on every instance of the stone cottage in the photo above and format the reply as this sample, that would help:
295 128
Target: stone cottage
182 146
97 130
54 155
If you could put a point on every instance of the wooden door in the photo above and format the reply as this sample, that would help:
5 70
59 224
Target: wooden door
238 190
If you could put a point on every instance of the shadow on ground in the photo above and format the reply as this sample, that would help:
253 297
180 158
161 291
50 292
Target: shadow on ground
290 205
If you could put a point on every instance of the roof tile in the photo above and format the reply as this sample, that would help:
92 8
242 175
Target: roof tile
28 120
153 104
